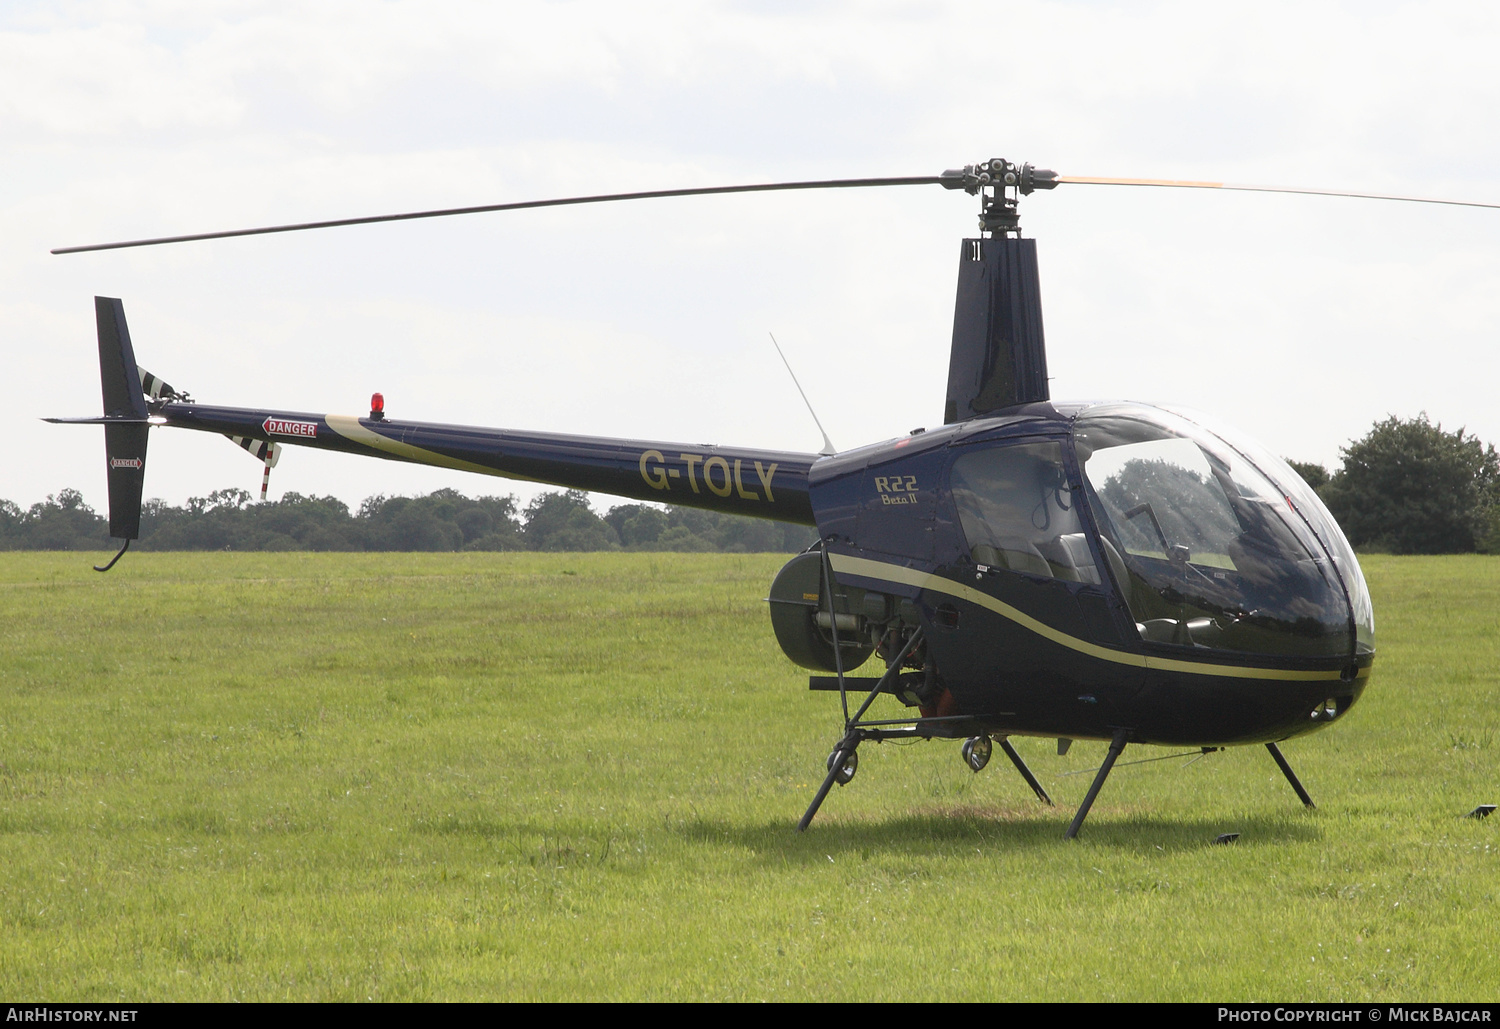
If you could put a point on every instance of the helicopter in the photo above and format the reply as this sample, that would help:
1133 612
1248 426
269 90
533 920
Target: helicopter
1105 571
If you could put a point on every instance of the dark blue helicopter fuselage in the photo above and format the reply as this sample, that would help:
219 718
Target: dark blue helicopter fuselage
1021 644
1028 652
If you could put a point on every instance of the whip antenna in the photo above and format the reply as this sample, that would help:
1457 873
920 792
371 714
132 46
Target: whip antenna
828 448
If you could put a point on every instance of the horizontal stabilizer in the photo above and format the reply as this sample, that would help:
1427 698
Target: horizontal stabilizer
98 420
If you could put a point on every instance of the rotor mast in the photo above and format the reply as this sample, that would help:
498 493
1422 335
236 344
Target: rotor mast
999 355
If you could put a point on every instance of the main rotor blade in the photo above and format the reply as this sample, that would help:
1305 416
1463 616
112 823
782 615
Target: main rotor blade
1087 180
911 180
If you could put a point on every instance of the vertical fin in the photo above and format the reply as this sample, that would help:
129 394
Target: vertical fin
119 378
124 444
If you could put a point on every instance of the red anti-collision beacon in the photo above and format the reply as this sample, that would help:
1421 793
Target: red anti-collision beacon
377 407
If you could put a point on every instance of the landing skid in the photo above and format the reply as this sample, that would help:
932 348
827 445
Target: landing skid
1117 746
844 760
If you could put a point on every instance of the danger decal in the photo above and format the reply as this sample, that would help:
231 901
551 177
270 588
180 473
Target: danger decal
287 427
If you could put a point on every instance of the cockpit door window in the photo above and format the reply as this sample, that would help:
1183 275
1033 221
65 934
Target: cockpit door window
1019 513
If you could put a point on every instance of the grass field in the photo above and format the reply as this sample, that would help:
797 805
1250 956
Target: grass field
525 776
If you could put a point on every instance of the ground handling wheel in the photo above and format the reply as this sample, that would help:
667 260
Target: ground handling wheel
848 765
976 752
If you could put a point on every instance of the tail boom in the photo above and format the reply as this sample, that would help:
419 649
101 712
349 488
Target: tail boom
743 481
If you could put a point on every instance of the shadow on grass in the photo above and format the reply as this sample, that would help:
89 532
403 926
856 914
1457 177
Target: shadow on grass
1000 829
934 831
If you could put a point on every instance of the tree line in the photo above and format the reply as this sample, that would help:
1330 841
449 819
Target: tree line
442 521
1407 487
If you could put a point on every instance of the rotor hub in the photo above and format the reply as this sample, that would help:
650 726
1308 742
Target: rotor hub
1000 184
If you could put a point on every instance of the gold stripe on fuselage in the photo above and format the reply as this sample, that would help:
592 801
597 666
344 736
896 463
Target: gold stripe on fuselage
349 427
937 584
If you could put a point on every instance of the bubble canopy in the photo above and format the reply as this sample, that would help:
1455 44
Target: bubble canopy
1214 542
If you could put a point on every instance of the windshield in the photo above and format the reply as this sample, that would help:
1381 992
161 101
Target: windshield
1208 552
1310 506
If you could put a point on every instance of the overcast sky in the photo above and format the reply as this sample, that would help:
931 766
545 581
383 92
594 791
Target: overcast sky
1302 320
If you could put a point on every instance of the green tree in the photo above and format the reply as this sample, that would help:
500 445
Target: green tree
639 526
227 520
490 523
1315 475
314 523
1489 542
646 527
61 522
407 523
11 518
564 521
1412 488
